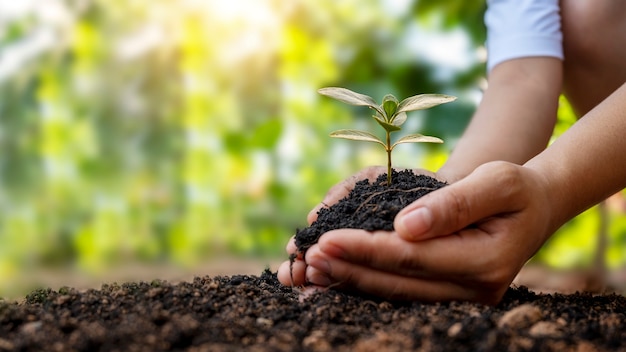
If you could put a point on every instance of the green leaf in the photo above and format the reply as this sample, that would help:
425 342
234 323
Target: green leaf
416 138
399 119
356 136
387 126
349 97
423 101
390 105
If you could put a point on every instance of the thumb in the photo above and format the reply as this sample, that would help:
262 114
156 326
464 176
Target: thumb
491 189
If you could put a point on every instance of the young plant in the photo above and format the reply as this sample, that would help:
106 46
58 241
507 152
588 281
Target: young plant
391 114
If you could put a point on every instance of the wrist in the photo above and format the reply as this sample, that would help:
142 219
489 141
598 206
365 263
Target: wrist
554 188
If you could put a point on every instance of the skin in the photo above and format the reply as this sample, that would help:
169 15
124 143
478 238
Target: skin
508 192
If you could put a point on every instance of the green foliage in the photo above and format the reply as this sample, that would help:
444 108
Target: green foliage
172 131
390 115
454 13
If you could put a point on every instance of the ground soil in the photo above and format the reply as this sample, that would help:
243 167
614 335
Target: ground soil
257 313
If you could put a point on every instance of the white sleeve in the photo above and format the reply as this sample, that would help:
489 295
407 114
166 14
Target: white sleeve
522 28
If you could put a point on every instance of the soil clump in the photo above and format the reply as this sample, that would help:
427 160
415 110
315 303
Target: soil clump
369 206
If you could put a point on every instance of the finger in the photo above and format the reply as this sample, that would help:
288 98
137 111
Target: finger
467 253
492 189
292 273
346 275
343 188
312 216
291 247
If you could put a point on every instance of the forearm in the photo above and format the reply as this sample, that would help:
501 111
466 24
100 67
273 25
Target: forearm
588 162
515 118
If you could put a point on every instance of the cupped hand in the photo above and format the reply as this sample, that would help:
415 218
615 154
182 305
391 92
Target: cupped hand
293 272
466 241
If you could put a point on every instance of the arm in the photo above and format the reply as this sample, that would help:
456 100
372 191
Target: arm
513 122
435 255
515 118
588 163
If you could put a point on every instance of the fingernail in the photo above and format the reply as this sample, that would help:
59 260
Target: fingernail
317 277
416 222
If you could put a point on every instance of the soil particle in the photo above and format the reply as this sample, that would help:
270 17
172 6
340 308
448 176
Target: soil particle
545 329
257 313
520 317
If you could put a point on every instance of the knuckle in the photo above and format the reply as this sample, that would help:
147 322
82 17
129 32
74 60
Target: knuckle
507 177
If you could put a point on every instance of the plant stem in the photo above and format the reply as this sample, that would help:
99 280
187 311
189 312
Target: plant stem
388 149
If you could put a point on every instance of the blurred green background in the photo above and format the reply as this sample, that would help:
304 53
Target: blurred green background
172 132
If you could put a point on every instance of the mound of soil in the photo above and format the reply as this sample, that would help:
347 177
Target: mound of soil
369 206
257 313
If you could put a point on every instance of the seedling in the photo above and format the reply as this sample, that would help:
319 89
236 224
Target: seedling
391 114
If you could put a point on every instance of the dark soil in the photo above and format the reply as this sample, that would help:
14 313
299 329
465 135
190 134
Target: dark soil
369 206
257 313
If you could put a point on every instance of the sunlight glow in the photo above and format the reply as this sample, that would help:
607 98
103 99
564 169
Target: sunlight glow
449 51
397 7
246 27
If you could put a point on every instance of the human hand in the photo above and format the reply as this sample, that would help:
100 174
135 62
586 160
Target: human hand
292 272
466 241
